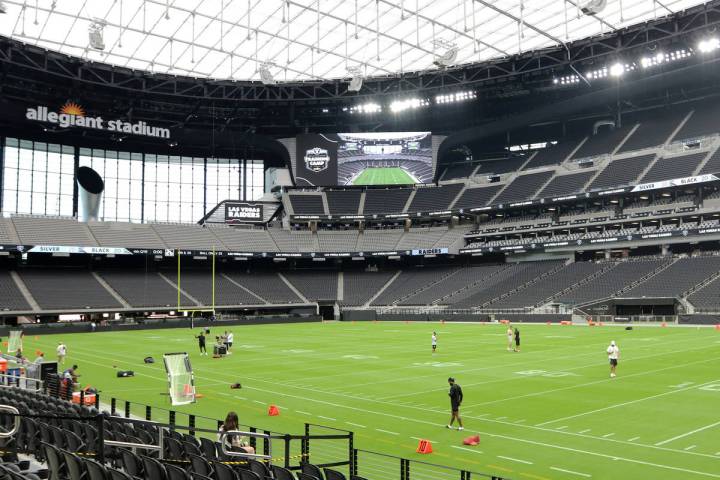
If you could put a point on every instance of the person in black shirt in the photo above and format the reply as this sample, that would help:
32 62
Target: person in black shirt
456 398
201 343
517 340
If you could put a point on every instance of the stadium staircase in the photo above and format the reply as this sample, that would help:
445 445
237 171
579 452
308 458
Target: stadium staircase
382 289
410 199
608 268
713 151
637 282
262 300
685 296
523 286
184 292
293 288
111 290
25 291
471 285
361 203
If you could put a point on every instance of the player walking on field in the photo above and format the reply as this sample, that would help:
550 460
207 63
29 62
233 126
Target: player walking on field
510 338
61 353
433 341
613 354
456 398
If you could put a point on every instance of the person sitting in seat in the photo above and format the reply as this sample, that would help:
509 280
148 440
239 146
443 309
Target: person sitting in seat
236 443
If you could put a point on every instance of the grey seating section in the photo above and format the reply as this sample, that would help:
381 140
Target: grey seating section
463 170
53 231
707 299
123 234
199 284
505 165
621 172
267 285
316 285
293 241
511 279
67 289
653 131
476 197
7 232
386 200
10 296
143 289
459 280
679 277
337 241
553 155
420 238
343 201
453 235
307 204
703 121
523 187
673 167
430 199
566 184
549 285
187 236
603 142
245 240
359 287
611 281
410 282
713 163
376 240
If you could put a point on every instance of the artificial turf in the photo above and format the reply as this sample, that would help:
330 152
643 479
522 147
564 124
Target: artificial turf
550 411
384 176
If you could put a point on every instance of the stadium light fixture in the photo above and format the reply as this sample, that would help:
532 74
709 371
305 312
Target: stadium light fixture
617 69
95 34
365 108
456 97
709 45
409 103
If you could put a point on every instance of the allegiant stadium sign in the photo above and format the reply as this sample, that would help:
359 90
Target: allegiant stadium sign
73 115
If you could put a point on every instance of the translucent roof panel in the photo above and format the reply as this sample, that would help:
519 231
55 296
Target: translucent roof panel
301 40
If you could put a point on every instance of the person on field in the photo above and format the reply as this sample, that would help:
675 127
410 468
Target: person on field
613 353
201 343
517 340
61 353
510 338
433 341
456 398
237 443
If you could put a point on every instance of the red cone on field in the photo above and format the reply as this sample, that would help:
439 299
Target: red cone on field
273 411
424 446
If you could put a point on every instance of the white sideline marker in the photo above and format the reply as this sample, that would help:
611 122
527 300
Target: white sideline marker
387 431
633 439
303 413
688 433
584 431
571 472
418 438
561 428
356 425
258 401
466 449
689 448
515 460
608 435
327 418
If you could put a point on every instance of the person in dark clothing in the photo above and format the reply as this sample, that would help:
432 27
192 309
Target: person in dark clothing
456 398
201 343
517 340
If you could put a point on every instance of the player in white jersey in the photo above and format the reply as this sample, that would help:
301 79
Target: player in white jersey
433 341
61 353
613 354
510 338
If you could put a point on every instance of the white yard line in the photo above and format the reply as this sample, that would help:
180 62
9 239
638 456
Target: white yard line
327 418
356 425
515 460
466 449
690 447
610 407
584 431
304 413
418 439
607 435
570 472
258 401
386 431
688 433
562 428
632 439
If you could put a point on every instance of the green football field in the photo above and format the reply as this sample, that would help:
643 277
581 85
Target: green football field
384 176
548 412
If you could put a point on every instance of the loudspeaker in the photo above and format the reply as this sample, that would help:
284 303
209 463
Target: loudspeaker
125 373
149 360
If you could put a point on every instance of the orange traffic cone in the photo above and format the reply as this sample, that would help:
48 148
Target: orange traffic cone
717 327
663 324
424 446
273 411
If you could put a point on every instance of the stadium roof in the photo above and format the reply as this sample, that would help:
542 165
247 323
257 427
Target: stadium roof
301 40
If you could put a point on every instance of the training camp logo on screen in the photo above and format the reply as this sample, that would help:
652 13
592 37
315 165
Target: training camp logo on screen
317 159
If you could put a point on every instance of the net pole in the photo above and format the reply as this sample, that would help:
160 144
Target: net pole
213 279
178 279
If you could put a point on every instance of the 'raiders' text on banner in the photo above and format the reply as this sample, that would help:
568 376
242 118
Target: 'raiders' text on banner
236 212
